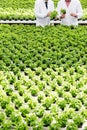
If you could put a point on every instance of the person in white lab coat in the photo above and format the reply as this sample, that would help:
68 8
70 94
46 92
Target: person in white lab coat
73 12
43 9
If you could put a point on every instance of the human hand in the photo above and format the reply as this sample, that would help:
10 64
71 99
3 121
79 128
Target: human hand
74 15
48 14
63 16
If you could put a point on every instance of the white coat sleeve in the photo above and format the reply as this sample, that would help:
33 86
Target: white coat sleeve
79 10
37 12
59 9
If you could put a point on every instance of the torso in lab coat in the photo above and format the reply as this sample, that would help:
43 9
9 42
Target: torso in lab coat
41 12
74 7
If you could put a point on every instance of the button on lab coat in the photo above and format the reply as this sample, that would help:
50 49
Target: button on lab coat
41 12
74 7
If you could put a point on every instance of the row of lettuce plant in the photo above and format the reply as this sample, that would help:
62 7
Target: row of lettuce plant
43 77
34 103
24 10
45 48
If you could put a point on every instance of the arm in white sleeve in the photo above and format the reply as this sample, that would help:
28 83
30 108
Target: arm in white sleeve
79 10
37 12
59 10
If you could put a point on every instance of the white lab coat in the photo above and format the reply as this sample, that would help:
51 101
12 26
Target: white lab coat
41 12
74 7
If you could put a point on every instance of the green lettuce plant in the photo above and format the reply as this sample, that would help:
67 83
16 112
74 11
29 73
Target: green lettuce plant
18 103
67 96
39 111
62 104
54 14
5 100
47 103
31 119
47 119
21 126
24 110
62 120
9 110
71 126
63 11
2 117
32 103
15 118
76 104
78 120
54 126
6 125
41 96
38 126
34 90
